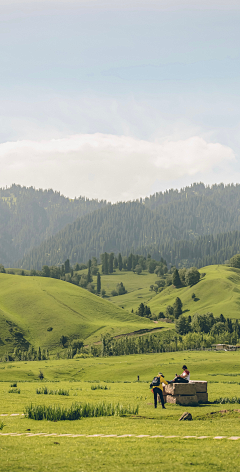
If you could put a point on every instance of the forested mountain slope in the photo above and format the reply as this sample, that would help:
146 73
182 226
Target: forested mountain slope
29 216
175 225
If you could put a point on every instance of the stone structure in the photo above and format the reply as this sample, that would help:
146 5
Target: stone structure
186 394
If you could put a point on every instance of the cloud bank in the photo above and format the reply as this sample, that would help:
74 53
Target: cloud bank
108 167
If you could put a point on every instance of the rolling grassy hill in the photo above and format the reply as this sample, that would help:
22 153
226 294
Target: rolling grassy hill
31 305
217 292
137 287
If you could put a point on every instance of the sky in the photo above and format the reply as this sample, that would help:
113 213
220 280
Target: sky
118 100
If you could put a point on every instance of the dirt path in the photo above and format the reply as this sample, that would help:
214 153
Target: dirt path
140 436
140 332
68 435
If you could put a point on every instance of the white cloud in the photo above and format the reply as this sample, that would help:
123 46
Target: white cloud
108 166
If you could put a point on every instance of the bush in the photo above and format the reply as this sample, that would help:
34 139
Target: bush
77 411
235 261
46 391
1 425
192 276
40 375
14 384
224 400
14 390
100 387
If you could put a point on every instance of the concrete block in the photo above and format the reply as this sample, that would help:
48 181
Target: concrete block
182 399
202 397
201 385
180 389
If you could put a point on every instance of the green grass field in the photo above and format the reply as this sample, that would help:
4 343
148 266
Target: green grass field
218 292
119 374
31 305
137 287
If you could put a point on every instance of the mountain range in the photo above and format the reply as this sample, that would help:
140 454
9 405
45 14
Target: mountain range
198 225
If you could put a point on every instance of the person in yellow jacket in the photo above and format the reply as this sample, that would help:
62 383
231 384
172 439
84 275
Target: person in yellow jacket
157 388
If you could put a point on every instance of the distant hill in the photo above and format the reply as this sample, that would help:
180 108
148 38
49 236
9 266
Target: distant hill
195 226
29 216
217 292
29 306
40 227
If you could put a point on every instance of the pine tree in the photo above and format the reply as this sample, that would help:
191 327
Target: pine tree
98 283
176 279
120 264
67 266
177 308
89 275
39 356
110 263
104 258
129 262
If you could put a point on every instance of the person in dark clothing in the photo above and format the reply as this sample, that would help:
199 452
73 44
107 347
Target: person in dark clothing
159 390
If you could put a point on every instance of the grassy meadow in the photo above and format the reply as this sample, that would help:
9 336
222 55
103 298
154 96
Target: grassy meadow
118 379
39 310
32 305
217 292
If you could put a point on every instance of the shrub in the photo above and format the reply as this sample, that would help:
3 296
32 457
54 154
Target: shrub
100 387
223 400
114 293
46 391
49 329
192 276
14 390
63 340
1 425
77 411
40 375
14 384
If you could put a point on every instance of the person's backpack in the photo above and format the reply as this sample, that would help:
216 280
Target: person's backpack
155 382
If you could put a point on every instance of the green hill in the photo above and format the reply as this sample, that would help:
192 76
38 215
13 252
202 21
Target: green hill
29 306
217 292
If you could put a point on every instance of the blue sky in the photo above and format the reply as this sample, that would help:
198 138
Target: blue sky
118 100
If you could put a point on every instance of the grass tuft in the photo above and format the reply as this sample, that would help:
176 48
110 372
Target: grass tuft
224 400
46 391
100 387
77 411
